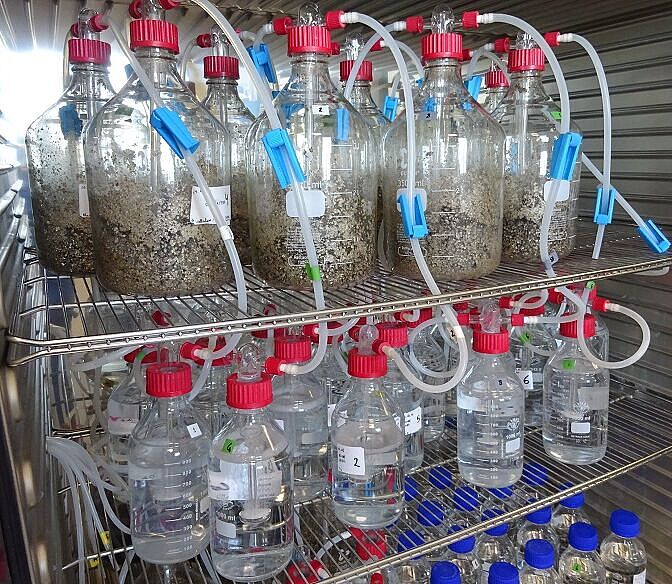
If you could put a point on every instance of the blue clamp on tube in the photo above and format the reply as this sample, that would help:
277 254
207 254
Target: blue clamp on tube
565 153
654 237
128 70
420 81
413 221
604 206
342 124
262 61
429 105
277 143
390 107
71 123
171 128
473 85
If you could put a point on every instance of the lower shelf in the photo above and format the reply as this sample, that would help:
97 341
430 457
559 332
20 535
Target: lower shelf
640 430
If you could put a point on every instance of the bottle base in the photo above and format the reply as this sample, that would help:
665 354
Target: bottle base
367 517
491 479
253 567
574 454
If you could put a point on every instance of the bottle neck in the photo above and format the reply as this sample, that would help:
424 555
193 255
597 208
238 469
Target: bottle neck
361 93
160 67
169 405
90 80
224 92
528 83
442 76
310 75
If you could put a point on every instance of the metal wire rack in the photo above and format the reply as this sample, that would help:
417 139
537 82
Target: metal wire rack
640 430
59 314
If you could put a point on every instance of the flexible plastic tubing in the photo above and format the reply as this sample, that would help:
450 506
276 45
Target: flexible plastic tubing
106 358
199 384
126 567
184 59
411 54
331 543
523 301
66 60
482 52
258 38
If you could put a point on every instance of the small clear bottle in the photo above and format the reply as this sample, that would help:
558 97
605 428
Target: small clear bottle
432 516
576 401
168 472
445 573
580 563
599 343
441 481
461 553
501 498
496 86
417 568
568 512
503 573
466 503
405 394
494 545
490 415
539 563
300 409
537 525
533 481
367 445
622 551
250 480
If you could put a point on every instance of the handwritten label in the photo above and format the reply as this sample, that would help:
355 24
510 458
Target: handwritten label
83 201
201 214
527 379
351 459
194 430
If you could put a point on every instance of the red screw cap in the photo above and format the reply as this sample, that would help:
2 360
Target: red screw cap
517 320
365 72
526 60
424 316
281 25
335 49
309 39
491 343
204 40
460 306
293 349
154 33
502 45
470 19
463 318
555 297
552 38
332 19
496 79
220 66
394 334
578 289
377 46
466 54
88 51
169 4
442 45
538 311
165 380
312 331
371 549
134 9
248 395
571 329
96 23
415 24
366 366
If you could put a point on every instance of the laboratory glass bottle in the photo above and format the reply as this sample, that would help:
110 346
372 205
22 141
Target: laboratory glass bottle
568 512
533 481
250 480
537 525
580 563
496 86
461 553
223 101
405 394
445 573
337 151
167 471
539 563
532 345
432 516
149 233
459 169
300 409
490 415
529 117
622 551
54 149
211 400
576 400
599 343
494 545
503 573
501 498
416 569
367 444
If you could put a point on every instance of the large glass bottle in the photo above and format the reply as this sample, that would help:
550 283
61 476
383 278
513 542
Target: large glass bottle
529 116
222 101
56 156
496 87
147 215
459 152
337 151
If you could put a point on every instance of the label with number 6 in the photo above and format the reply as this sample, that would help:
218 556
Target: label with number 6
527 379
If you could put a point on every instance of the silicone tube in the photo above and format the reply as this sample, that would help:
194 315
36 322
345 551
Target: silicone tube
184 59
483 52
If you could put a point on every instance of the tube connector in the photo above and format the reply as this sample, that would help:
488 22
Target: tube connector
552 38
281 26
334 19
275 366
501 46
204 41
415 24
519 319
602 304
470 19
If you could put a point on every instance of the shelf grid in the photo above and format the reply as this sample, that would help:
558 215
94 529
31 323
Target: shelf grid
58 314
640 430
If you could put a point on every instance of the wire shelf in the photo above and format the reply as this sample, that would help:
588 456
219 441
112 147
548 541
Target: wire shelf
59 314
640 430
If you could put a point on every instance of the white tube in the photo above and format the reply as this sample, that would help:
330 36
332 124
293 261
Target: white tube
205 370
395 85
391 353
126 567
483 52
184 59
246 35
258 38
410 53
523 301
106 358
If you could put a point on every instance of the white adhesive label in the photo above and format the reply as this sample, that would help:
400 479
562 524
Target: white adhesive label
320 109
280 423
314 199
194 430
231 483
83 201
467 402
421 192
595 398
224 528
200 213
639 578
512 445
563 190
330 410
351 460
580 427
526 379
413 421
122 418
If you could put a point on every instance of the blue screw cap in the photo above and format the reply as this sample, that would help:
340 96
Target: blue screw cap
431 513
539 554
503 573
411 489
583 537
463 546
445 573
534 474
573 501
465 499
441 478
497 530
502 493
409 540
540 516
624 523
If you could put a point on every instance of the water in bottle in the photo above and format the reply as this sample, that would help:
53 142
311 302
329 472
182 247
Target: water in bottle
461 553
300 409
539 563
576 401
503 573
580 563
622 551
415 570
250 480
409 398
490 414
445 573
167 471
537 525
568 512
367 444
494 545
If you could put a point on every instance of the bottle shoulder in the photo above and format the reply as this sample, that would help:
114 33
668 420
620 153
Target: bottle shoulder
249 437
181 432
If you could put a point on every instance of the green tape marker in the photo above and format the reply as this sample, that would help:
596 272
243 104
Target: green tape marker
568 364
556 115
229 445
